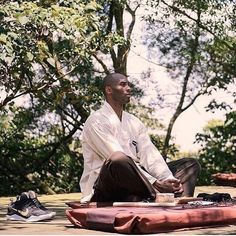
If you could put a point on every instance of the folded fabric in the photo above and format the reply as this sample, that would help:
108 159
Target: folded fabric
215 197
139 220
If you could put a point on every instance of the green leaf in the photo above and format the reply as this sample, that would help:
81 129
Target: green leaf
23 20
51 61
9 59
30 56
2 56
91 7
13 35
3 38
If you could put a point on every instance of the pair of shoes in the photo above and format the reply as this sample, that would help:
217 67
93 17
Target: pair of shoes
28 208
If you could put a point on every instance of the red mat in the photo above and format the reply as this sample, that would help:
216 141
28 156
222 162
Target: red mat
150 219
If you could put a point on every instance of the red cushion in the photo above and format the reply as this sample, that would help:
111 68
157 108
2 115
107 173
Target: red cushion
225 179
151 219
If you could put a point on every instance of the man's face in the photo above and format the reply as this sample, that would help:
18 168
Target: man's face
120 90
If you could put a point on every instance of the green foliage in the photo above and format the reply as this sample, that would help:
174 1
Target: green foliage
194 40
42 45
48 89
37 142
172 151
218 148
145 114
196 32
35 159
156 129
49 85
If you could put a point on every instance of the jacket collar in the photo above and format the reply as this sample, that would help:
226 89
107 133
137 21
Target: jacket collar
110 113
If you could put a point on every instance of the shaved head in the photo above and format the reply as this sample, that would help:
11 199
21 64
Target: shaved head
116 88
111 80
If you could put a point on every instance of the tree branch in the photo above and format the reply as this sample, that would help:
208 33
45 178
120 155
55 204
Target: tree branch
200 25
179 108
102 64
132 23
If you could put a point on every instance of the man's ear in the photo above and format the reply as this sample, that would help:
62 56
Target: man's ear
108 90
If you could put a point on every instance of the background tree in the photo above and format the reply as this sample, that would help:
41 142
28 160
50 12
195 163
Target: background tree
121 19
50 78
47 91
218 151
194 40
48 85
155 128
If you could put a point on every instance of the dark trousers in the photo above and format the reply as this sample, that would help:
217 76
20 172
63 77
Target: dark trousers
121 180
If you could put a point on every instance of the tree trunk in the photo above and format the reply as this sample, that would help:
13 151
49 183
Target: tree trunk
180 107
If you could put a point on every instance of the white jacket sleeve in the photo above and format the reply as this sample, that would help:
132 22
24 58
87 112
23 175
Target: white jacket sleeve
150 178
150 157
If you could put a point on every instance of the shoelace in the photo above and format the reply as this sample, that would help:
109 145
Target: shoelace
38 204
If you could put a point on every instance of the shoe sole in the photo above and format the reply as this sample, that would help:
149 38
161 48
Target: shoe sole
16 217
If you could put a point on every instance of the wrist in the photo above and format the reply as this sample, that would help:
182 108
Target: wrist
157 184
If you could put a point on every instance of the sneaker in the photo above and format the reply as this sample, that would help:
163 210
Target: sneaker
38 204
24 209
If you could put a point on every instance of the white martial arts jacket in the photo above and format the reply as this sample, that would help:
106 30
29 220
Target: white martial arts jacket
104 134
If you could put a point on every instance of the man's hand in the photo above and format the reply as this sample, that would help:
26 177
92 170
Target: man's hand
168 186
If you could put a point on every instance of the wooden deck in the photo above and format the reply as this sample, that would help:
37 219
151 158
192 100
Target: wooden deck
61 226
